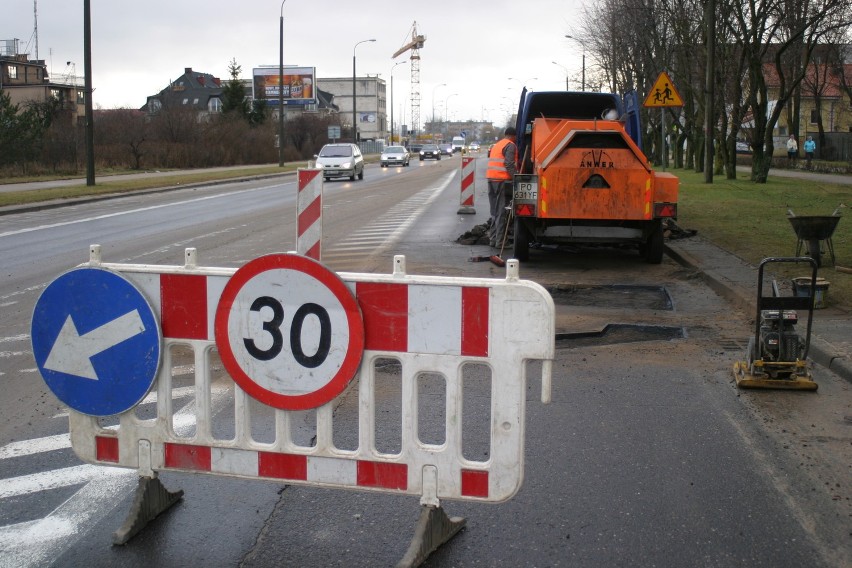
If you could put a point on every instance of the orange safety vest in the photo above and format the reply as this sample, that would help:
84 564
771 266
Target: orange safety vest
496 162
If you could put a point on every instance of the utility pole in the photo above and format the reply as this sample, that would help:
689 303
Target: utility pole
710 90
87 61
281 87
355 95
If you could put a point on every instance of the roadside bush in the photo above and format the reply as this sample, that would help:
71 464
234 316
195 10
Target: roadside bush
130 139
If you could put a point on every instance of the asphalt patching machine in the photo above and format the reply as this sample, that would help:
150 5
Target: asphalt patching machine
777 355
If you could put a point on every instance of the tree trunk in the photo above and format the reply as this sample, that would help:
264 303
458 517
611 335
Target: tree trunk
761 161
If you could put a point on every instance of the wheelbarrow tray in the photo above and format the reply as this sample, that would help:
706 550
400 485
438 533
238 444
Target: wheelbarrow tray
812 227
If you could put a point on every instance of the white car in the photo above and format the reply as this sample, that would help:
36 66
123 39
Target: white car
394 155
341 160
743 147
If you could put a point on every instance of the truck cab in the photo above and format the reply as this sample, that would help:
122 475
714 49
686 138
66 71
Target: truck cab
583 177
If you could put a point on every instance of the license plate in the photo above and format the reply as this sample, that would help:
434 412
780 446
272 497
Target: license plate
526 188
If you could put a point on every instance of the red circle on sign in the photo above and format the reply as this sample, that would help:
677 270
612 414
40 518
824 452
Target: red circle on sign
327 282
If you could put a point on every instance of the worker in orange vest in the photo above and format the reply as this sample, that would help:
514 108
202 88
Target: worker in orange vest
501 171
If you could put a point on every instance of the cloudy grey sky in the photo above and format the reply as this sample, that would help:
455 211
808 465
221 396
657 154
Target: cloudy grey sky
138 47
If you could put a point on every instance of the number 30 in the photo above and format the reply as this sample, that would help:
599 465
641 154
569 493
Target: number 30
273 328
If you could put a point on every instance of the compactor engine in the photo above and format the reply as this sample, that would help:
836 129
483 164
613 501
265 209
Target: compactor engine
778 337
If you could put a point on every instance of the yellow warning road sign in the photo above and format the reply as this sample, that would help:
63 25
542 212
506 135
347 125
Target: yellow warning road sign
663 93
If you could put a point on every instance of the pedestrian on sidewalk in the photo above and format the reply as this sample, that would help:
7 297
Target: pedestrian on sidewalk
810 147
792 150
501 171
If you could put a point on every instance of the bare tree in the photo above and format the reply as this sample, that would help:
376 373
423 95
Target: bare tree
121 137
816 84
777 36
764 48
842 71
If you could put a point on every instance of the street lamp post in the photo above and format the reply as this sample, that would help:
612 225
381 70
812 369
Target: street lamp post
524 82
567 87
281 87
354 97
583 83
391 98
447 110
433 103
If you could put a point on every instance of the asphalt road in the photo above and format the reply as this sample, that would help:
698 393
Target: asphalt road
647 454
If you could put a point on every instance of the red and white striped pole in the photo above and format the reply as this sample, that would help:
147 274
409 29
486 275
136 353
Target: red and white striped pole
468 173
309 211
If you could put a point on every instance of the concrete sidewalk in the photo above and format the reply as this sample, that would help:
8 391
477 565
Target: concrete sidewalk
736 281
839 179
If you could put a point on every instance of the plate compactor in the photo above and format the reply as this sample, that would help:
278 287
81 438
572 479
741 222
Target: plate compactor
777 354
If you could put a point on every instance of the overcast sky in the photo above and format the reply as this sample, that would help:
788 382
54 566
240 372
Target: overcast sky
139 47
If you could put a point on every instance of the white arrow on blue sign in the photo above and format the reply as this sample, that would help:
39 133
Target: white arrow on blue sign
96 341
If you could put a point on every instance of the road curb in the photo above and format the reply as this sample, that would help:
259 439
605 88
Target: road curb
731 294
821 351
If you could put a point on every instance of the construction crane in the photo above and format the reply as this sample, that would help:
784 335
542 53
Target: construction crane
414 45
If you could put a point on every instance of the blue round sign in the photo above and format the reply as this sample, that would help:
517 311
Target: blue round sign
96 341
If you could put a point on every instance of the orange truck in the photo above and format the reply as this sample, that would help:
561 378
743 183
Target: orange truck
583 178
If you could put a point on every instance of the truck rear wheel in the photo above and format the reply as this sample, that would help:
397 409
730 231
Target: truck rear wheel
521 246
653 248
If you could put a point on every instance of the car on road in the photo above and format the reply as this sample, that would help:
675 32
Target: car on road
340 160
446 149
474 147
430 152
459 143
394 155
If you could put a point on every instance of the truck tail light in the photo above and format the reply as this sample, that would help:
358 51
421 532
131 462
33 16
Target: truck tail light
525 210
665 210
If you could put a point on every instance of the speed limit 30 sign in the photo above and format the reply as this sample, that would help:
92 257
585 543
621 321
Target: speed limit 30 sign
289 331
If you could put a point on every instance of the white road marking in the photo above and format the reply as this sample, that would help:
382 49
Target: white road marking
54 479
130 212
37 446
37 543
8 354
382 234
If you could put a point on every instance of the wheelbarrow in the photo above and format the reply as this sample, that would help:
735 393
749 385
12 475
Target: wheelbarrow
813 229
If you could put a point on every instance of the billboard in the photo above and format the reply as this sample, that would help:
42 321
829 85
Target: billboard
299 85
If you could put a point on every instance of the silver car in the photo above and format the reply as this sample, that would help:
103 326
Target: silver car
340 160
394 155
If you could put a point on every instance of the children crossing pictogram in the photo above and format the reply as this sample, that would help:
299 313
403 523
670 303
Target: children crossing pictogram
663 93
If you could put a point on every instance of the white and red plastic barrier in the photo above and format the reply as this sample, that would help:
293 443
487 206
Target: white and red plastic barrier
429 324
468 186
309 213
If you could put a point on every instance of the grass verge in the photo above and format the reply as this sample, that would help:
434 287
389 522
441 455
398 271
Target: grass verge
750 220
